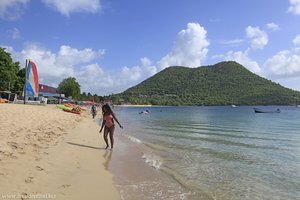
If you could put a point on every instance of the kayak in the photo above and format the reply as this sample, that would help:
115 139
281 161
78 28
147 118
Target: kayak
3 100
61 106
71 110
74 106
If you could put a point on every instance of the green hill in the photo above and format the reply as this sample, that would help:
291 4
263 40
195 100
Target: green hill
224 83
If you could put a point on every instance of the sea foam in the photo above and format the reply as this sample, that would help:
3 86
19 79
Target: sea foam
133 139
152 160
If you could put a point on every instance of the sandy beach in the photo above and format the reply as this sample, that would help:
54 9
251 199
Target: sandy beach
46 153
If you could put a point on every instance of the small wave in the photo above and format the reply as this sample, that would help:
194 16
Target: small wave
133 139
152 160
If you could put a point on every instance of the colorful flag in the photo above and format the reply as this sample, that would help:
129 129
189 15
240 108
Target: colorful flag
32 80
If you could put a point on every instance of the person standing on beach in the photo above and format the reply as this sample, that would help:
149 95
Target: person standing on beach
109 126
93 110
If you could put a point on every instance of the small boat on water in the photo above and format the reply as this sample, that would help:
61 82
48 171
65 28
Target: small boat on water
258 110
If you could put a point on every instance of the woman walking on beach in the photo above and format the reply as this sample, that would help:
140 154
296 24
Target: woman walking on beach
108 124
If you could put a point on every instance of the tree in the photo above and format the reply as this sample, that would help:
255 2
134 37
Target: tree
19 86
8 71
70 87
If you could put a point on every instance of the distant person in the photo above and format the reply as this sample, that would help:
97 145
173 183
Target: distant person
108 124
94 110
145 112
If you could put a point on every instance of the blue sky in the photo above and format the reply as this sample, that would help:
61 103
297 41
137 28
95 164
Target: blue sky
111 45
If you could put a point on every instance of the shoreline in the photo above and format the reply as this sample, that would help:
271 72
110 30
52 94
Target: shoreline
131 105
48 153
139 172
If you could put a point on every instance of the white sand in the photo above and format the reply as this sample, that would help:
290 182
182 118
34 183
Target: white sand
46 153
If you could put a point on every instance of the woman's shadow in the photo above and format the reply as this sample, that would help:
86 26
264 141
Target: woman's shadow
83 145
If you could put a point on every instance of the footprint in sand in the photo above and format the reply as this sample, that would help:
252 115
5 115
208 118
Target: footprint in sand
37 159
64 186
24 196
13 145
29 179
60 128
9 154
39 168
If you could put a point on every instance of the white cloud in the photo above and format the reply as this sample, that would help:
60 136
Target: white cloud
294 7
190 48
14 33
53 67
92 78
148 67
296 41
284 64
259 37
130 76
272 26
12 9
235 42
137 72
51 71
66 7
70 56
244 59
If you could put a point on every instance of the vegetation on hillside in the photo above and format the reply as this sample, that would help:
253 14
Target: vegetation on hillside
224 83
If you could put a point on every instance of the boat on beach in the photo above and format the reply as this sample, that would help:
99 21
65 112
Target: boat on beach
258 110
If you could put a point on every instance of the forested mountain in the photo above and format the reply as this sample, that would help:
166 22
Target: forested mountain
224 83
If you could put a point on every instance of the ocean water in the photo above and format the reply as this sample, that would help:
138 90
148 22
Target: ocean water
210 153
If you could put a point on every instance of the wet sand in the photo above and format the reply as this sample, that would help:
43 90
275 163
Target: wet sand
137 174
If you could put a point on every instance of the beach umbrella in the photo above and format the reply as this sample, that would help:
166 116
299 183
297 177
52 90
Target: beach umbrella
89 103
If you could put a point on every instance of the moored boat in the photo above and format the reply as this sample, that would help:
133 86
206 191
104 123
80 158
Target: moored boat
258 110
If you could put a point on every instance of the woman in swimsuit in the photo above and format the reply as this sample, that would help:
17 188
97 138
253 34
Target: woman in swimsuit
108 124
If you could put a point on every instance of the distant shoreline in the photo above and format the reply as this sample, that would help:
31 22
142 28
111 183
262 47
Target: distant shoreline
130 105
141 105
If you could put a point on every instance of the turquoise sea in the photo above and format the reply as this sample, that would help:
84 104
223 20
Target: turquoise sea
208 153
